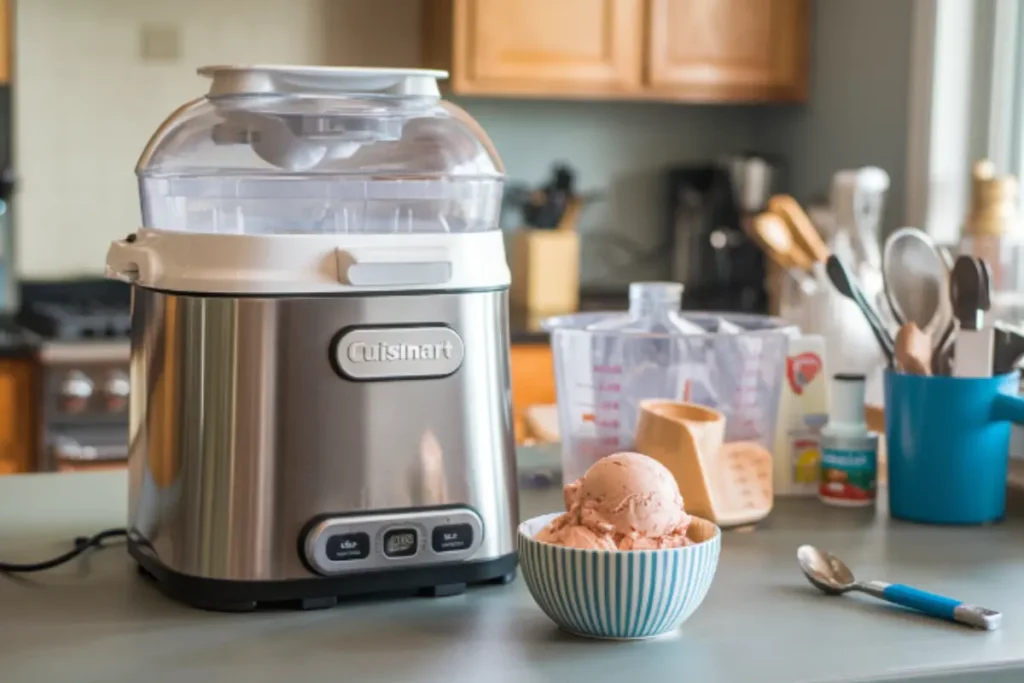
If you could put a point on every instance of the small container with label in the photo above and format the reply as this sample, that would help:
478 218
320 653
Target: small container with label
803 410
805 452
849 451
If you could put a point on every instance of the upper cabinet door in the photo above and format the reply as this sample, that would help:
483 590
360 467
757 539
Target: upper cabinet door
728 50
6 40
547 47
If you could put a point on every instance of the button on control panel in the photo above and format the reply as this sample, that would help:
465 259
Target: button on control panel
348 543
346 547
449 538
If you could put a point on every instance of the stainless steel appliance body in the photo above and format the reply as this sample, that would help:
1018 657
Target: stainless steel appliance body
320 402
257 423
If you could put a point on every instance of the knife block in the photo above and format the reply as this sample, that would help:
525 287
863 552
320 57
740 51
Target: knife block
546 270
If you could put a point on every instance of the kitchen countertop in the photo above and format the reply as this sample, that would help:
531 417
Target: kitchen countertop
96 620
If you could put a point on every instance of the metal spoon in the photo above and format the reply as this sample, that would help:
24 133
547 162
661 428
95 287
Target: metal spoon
915 279
942 356
971 297
1009 348
831 576
848 287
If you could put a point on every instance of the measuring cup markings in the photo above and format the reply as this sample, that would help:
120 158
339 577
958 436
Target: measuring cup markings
607 376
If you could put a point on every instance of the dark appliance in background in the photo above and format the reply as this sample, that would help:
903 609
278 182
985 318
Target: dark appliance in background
8 183
720 267
8 281
83 358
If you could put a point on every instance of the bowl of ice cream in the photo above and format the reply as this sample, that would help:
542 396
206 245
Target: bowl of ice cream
624 561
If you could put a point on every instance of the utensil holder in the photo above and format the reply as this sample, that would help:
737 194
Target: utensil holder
948 446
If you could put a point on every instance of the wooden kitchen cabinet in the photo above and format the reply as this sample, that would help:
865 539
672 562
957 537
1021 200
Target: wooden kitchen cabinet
538 47
6 40
668 50
18 405
728 49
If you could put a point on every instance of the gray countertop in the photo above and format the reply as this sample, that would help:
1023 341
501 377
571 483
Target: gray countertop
96 620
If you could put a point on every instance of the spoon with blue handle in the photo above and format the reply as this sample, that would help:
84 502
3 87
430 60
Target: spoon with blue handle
831 576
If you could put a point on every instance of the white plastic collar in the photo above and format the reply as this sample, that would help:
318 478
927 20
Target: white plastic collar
309 264
283 80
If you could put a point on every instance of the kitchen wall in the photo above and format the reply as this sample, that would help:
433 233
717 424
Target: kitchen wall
95 78
858 109
88 98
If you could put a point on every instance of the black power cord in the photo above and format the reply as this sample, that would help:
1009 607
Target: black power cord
82 544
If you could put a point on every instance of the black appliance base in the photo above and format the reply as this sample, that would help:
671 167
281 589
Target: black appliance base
221 595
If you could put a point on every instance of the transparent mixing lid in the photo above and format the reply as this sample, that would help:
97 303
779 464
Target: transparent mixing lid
279 120
274 149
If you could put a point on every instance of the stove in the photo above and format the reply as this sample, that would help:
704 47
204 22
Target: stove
83 360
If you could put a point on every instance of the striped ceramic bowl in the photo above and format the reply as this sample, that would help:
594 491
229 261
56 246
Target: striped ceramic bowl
620 594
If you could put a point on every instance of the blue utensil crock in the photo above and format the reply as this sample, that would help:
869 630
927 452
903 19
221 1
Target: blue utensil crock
947 444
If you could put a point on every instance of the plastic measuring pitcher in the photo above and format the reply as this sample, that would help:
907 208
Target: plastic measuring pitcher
607 362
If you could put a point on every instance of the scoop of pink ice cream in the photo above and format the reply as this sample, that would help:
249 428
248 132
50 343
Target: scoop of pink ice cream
637 542
625 501
632 494
576 536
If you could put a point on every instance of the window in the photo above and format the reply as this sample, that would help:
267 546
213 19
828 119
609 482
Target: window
966 103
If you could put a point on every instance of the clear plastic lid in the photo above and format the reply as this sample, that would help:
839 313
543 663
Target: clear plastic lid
313 150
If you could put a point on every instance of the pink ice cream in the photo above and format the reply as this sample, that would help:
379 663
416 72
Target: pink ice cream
625 501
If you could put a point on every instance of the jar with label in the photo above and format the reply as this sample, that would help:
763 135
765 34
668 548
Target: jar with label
849 451
805 450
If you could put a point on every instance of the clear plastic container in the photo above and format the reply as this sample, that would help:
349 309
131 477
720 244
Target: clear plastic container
307 150
606 363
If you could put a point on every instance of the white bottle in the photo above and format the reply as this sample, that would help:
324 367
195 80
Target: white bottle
849 451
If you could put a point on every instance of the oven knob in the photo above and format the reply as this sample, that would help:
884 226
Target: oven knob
116 389
75 391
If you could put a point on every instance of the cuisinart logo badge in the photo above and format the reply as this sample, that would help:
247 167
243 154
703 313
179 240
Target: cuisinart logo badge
389 353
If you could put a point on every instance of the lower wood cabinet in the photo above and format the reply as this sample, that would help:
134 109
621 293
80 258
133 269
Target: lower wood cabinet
533 381
18 418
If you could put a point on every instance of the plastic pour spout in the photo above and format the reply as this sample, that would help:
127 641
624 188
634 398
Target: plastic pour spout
653 307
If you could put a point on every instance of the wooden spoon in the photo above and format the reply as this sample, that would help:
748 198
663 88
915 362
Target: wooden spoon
774 237
800 227
913 350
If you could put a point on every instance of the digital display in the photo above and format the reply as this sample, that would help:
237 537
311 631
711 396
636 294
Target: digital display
400 542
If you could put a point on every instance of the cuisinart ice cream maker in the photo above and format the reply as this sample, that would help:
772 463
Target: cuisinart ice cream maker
320 400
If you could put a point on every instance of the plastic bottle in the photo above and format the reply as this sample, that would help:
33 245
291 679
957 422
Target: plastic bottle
653 307
849 451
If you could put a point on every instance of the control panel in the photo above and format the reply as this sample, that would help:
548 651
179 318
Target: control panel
349 543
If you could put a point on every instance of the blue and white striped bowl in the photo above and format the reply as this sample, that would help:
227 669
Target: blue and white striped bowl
619 594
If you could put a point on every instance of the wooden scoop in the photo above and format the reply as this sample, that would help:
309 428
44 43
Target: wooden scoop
913 350
727 483
801 228
773 236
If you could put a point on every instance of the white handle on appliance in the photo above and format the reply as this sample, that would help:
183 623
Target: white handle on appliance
130 262
383 267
